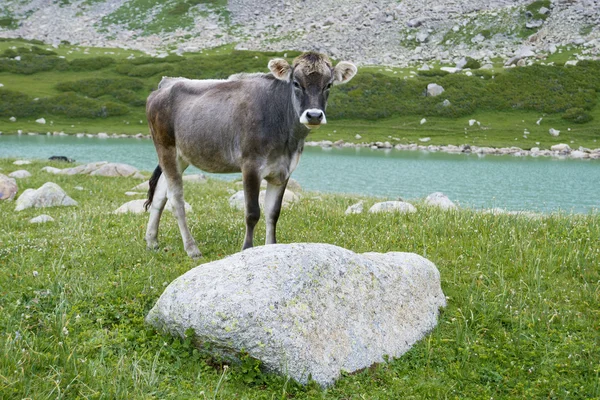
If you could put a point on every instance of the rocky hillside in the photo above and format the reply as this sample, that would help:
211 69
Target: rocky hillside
388 32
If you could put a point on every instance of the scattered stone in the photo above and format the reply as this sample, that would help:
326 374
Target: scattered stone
425 139
539 121
472 122
144 186
543 10
355 208
52 170
433 89
20 174
446 103
48 195
305 310
41 120
78 188
8 187
12 119
536 23
554 132
571 63
195 178
103 135
561 148
357 137
423 121
137 207
22 162
40 219
440 200
237 200
393 206
117 169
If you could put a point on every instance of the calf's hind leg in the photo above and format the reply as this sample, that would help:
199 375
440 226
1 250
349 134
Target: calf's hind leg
156 208
273 201
173 167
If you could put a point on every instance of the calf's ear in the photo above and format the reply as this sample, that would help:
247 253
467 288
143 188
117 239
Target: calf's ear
280 69
343 72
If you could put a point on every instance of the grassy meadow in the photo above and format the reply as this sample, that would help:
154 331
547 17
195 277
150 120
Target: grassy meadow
91 90
522 321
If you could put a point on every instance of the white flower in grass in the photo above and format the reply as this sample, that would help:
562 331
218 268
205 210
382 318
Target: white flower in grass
65 331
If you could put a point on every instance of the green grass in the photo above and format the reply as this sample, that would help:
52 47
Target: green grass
378 104
522 319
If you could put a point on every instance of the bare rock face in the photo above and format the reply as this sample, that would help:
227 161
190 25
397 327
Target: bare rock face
305 310
8 188
48 195
393 206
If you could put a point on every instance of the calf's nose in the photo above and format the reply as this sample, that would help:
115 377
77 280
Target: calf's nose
314 116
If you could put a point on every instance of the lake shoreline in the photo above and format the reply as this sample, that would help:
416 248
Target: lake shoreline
561 150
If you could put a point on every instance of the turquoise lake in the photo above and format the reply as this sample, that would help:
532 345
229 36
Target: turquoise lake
513 183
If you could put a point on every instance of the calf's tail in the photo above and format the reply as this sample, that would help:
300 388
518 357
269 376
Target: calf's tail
153 182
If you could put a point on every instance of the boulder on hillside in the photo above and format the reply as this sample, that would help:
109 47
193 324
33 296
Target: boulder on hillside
20 174
392 206
48 195
305 310
8 187
439 199
237 200
433 89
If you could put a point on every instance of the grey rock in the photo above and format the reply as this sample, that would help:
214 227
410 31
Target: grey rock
237 200
305 309
195 178
20 174
440 200
48 195
355 208
8 188
393 206
52 170
433 89
561 148
536 23
553 132
22 162
117 169
41 219
137 207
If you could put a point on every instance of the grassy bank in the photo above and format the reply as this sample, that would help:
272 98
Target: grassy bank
522 319
89 90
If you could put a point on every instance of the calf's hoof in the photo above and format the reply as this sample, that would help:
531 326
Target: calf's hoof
151 244
195 254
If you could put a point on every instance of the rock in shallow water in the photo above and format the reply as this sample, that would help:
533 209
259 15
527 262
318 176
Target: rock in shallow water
305 309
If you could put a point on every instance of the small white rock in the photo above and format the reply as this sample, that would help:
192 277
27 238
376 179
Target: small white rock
40 219
41 120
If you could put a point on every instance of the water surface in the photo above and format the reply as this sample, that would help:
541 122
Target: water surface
513 183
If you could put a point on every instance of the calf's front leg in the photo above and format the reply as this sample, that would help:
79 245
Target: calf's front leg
251 181
273 201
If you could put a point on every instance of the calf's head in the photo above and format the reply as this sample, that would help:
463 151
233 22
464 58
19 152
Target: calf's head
311 75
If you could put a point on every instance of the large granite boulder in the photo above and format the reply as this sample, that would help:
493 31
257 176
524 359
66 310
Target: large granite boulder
305 310
8 188
48 195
